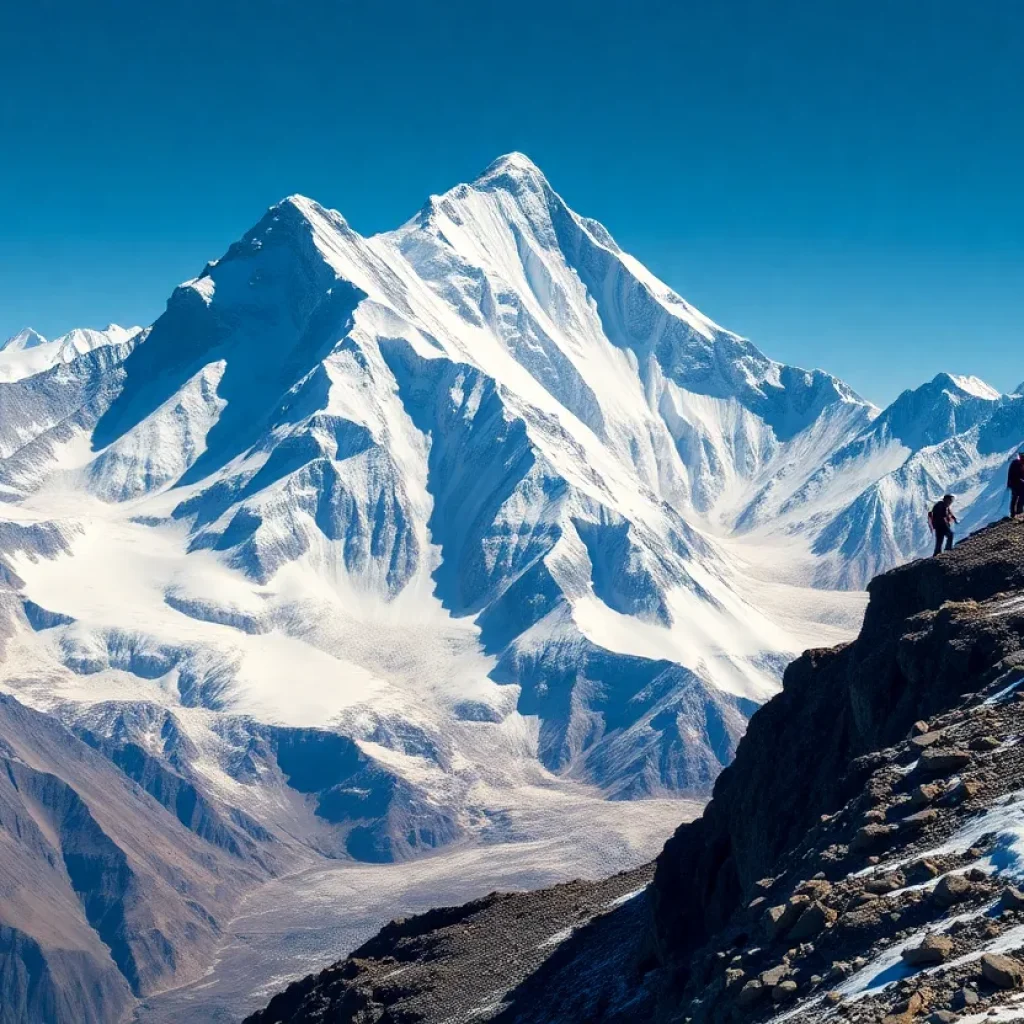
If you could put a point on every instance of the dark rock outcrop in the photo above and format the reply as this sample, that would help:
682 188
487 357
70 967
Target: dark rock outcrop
809 749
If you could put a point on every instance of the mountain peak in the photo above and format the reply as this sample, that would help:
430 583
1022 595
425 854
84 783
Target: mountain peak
973 386
297 210
24 339
515 166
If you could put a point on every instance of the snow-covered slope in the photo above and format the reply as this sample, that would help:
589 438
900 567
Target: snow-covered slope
587 516
953 434
29 353
489 439
376 543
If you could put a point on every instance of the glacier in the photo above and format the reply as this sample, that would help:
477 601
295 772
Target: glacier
370 546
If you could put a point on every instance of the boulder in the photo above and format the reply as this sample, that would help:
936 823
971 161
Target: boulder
984 743
963 790
952 889
869 837
879 885
757 905
934 949
812 922
779 919
816 888
918 822
784 991
964 998
924 794
1012 899
1002 971
941 762
922 871
751 993
925 740
909 1008
774 975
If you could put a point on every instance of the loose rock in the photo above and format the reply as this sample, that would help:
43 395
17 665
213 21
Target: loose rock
870 836
752 992
812 922
984 743
1002 971
939 762
934 949
952 889
924 794
784 991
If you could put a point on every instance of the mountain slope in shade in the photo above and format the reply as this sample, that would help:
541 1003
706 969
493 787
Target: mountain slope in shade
106 894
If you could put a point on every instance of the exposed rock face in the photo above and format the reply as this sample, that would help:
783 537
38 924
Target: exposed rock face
926 640
104 895
774 900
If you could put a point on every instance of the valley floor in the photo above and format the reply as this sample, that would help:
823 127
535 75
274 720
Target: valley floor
303 922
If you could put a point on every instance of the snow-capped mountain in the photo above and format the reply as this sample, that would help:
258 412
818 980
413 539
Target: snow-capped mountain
953 434
371 544
28 352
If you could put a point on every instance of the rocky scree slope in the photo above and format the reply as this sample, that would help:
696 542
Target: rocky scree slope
455 963
872 769
860 860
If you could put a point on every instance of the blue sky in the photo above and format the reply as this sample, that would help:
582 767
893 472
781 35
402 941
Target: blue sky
841 182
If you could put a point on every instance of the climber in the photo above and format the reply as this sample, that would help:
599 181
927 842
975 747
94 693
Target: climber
940 519
1015 485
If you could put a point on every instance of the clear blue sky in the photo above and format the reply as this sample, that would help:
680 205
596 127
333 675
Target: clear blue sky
841 181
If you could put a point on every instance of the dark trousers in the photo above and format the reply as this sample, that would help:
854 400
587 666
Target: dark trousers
943 531
1017 501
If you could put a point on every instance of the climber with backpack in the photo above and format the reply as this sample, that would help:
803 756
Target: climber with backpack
1015 485
940 519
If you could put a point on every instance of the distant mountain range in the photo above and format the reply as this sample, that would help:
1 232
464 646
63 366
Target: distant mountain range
29 353
371 545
